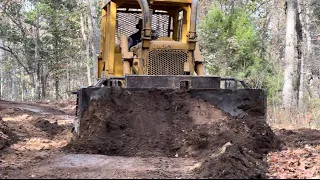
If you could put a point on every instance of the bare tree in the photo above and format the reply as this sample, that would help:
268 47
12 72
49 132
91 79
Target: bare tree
94 35
87 44
288 90
37 59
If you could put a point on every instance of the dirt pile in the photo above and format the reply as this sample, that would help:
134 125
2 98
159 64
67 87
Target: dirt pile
299 137
251 139
4 138
6 135
51 129
171 123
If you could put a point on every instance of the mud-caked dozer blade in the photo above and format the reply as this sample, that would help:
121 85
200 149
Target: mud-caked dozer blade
228 94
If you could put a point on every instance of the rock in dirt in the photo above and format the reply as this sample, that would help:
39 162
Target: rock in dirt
166 123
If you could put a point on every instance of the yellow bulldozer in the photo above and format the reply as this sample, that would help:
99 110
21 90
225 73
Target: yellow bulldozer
152 44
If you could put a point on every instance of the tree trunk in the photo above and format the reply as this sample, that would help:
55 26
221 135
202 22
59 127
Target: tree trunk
308 53
36 59
2 54
44 80
57 87
1 81
300 50
33 85
289 55
56 76
15 84
44 85
87 44
92 24
22 85
67 83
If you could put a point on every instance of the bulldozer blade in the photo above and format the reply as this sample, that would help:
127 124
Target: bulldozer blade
232 101
235 102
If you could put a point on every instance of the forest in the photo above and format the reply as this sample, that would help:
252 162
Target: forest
56 122
49 49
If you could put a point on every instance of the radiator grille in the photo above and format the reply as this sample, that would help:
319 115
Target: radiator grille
166 62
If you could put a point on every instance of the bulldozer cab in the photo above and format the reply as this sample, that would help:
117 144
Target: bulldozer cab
167 46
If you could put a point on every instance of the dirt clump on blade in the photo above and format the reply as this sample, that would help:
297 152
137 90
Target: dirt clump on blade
171 123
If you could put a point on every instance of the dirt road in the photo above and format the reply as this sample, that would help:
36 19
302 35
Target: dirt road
41 130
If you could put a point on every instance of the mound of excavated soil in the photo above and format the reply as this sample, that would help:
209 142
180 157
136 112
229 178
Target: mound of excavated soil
6 135
298 138
170 123
3 135
50 128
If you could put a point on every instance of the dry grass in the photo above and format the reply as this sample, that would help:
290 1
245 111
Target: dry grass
295 119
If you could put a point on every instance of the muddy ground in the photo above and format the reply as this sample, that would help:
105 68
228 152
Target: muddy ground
37 143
